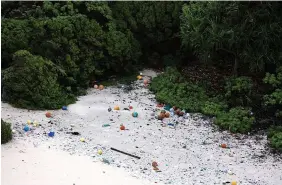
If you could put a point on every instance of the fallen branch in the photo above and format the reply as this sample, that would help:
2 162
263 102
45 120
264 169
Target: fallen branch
126 153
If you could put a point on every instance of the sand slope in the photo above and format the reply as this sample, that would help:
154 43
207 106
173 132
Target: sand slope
27 165
188 154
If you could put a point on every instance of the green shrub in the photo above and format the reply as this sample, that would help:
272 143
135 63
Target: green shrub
31 82
170 88
15 35
239 91
6 132
275 137
213 109
274 99
238 119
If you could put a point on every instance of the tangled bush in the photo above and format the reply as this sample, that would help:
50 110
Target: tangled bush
275 137
211 108
238 119
6 132
31 82
239 91
274 99
170 88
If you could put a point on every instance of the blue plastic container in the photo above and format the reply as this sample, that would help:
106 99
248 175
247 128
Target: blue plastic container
167 107
64 108
26 128
135 114
51 134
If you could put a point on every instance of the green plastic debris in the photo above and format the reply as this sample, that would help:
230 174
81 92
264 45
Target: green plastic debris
167 107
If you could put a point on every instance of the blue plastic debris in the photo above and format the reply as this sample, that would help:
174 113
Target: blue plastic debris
64 108
167 107
26 128
51 134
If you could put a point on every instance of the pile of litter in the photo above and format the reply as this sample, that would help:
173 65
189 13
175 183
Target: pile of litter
162 143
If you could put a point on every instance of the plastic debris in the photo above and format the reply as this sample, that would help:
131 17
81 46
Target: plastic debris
29 122
51 134
230 172
100 152
105 161
160 105
116 108
48 114
167 114
167 107
26 128
233 183
64 108
130 107
223 145
106 125
82 139
74 133
35 123
96 86
122 127
101 87
155 164
135 114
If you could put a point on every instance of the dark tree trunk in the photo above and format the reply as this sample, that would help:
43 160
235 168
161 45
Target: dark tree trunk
235 68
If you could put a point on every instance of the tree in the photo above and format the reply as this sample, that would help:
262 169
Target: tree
242 32
32 82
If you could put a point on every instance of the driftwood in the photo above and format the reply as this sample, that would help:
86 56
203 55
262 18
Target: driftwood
126 153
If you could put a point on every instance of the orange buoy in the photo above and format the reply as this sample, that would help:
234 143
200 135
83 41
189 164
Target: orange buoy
167 114
223 146
101 87
122 127
161 116
154 164
48 114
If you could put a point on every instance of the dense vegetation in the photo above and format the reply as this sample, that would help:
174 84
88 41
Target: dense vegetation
224 58
6 132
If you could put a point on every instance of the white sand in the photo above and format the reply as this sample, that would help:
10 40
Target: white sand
187 155
25 165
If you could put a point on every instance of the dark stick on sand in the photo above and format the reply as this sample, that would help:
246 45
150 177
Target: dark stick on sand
126 153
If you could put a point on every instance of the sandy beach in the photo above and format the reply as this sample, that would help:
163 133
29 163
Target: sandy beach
187 154
27 165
